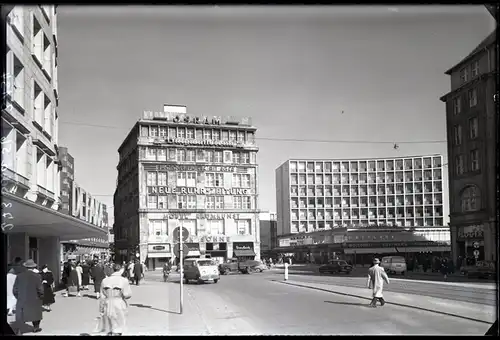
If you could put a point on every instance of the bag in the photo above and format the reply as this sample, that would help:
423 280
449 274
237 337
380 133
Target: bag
99 325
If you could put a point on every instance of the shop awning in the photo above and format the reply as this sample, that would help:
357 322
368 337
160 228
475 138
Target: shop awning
158 255
371 250
41 221
424 249
246 252
193 253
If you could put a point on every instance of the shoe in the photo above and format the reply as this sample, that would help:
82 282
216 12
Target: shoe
37 330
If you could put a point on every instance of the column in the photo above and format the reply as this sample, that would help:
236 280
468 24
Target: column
49 252
454 245
229 250
490 241
18 246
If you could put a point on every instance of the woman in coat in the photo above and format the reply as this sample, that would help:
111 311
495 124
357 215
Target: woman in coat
47 281
75 279
85 275
28 290
98 274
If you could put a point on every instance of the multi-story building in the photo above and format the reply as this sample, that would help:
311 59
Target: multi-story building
198 173
472 123
321 196
268 233
30 163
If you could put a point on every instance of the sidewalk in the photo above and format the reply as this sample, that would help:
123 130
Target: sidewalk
471 311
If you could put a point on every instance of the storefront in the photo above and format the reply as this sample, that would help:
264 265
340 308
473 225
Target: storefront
243 251
158 255
470 242
214 247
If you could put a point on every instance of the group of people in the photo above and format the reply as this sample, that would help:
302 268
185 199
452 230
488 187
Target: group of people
133 271
76 276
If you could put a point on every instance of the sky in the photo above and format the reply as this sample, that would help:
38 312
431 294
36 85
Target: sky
293 70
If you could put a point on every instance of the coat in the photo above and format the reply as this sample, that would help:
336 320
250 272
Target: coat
28 290
75 278
98 275
137 270
115 290
85 274
11 299
48 293
376 278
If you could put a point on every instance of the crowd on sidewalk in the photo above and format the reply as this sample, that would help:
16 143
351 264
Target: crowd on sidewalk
31 291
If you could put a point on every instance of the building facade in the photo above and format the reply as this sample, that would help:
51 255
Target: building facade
472 129
67 177
314 195
268 233
198 173
30 159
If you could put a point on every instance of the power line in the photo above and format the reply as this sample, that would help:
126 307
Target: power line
302 140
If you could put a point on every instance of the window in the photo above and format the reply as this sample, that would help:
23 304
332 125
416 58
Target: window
172 132
215 202
470 199
158 227
457 135
245 158
464 75
181 201
241 137
190 225
236 158
162 132
215 227
232 136
475 69
243 227
472 98
241 180
190 133
181 155
162 178
242 202
191 179
473 128
162 155
151 153
457 105
191 201
17 19
152 202
474 160
162 202
17 93
209 156
207 134
151 178
153 131
181 132
216 135
225 135
214 179
38 39
190 156
459 165
38 95
218 156
181 179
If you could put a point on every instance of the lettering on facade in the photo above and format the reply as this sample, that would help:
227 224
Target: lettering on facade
214 239
395 244
196 191
197 168
85 207
201 216
472 231
186 141
247 246
177 114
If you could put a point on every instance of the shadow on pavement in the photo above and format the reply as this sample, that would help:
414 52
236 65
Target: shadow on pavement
140 305
349 303
90 296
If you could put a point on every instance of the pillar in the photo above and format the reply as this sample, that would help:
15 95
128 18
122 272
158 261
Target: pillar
49 252
454 245
229 250
18 246
490 241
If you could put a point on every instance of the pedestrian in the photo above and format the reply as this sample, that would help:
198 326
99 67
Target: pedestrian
444 268
107 269
98 275
28 290
130 268
75 280
85 275
65 277
48 292
376 278
14 269
115 291
137 271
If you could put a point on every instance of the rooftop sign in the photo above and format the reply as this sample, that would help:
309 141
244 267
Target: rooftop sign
178 115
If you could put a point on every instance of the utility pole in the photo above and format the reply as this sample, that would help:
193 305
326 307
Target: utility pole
181 264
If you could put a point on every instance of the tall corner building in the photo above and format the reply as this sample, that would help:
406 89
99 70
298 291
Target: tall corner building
316 195
472 128
196 172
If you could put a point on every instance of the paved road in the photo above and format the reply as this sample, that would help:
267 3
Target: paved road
466 292
252 304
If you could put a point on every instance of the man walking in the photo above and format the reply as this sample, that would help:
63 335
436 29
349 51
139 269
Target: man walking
376 278
28 290
115 290
137 272
98 275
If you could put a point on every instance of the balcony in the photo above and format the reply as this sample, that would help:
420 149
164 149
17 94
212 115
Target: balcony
16 178
44 192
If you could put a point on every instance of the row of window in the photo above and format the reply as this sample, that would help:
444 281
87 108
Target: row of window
399 177
406 213
198 133
366 166
399 201
473 163
350 190
470 199
211 227
474 72
473 131
189 179
471 101
198 155
311 226
212 202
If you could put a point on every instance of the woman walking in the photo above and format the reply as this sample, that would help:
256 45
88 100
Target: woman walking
98 274
48 293
75 280
85 275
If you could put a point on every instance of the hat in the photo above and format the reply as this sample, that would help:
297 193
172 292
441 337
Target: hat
376 261
30 264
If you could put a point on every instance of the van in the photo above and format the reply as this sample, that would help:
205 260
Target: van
394 264
201 270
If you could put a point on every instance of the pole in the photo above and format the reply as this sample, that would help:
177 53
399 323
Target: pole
181 255
286 271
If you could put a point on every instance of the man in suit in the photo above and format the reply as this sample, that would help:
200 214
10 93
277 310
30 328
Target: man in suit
28 290
137 272
376 278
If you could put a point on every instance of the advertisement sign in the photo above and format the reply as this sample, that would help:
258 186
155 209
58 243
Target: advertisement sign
243 246
85 207
162 190
159 248
471 231
196 168
395 244
200 216
284 242
214 238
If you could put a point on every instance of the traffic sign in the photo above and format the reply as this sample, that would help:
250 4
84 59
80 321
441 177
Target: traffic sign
476 253
185 250
476 244
185 234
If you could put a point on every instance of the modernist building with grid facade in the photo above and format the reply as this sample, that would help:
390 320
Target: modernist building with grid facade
177 170
314 195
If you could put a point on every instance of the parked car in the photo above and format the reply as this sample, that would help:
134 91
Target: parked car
482 270
257 266
394 264
336 266
237 266
201 270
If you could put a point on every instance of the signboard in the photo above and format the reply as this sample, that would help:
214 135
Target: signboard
243 246
157 190
196 168
159 248
476 253
284 242
471 231
214 238
338 238
85 207
395 244
177 232
201 216
185 250
475 244
178 114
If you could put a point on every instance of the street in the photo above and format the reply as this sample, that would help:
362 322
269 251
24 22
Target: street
253 304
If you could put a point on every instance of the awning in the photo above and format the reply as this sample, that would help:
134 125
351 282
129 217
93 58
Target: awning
40 221
371 250
158 255
246 252
424 249
193 253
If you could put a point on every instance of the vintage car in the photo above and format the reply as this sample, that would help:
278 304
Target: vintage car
237 266
482 270
201 270
336 266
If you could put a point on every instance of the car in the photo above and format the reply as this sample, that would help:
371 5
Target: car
336 266
201 270
394 264
257 266
237 266
482 270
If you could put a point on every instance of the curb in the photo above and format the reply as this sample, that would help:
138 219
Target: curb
388 303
